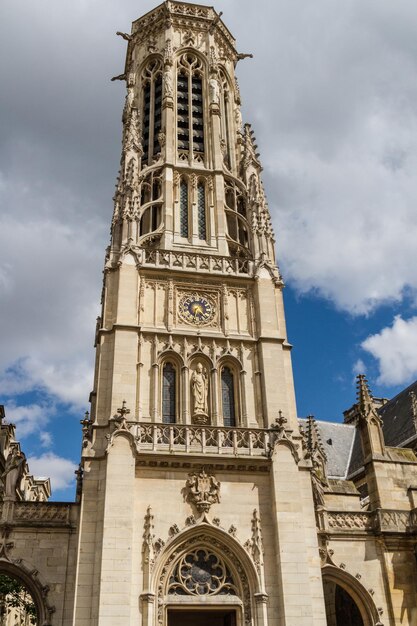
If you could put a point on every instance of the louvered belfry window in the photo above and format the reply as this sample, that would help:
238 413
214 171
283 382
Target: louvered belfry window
190 110
228 398
169 394
152 110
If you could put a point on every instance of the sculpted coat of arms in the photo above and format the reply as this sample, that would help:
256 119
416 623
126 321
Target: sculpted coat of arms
202 490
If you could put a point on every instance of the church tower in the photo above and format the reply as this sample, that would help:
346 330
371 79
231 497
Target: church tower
196 503
190 275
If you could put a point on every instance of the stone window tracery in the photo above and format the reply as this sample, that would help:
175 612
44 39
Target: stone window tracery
201 572
190 108
151 110
191 194
150 203
236 218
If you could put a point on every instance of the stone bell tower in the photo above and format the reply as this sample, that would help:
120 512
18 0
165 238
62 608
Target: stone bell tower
191 267
193 364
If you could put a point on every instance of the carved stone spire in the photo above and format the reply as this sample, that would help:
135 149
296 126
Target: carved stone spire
369 422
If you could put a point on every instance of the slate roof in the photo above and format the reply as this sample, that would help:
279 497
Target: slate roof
337 440
342 444
397 417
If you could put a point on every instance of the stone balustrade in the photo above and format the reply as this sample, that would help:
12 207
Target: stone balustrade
202 439
381 520
42 513
195 262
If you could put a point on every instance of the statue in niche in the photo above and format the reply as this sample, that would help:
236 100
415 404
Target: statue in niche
168 88
214 91
199 388
13 473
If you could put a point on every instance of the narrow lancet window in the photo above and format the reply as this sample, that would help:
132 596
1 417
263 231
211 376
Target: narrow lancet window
228 398
184 208
152 110
169 394
190 109
201 208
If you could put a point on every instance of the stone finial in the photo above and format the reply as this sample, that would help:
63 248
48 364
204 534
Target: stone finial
123 411
364 396
368 419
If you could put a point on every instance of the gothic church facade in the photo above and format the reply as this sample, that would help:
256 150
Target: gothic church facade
202 498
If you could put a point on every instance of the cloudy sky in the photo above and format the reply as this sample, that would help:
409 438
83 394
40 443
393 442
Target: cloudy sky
332 96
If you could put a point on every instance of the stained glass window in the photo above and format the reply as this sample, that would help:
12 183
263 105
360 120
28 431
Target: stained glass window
184 209
169 394
201 208
228 398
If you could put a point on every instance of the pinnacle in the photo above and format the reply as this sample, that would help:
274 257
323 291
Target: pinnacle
364 396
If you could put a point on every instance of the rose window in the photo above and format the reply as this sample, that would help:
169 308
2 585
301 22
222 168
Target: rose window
201 573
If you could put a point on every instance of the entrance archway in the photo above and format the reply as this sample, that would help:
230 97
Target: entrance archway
204 575
341 609
347 601
17 605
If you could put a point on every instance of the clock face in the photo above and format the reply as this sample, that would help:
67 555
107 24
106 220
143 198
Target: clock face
196 309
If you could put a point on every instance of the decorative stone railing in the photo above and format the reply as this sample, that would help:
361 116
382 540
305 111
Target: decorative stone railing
42 513
342 520
202 439
192 262
381 520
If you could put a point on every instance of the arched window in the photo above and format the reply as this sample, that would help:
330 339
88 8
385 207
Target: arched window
184 231
152 109
228 397
150 203
190 116
237 226
201 211
169 392
225 117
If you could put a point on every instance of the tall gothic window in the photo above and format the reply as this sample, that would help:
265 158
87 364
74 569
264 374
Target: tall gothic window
228 397
169 394
225 118
152 110
237 226
190 117
150 203
201 211
184 208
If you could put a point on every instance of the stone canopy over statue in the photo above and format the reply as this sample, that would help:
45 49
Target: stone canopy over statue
199 391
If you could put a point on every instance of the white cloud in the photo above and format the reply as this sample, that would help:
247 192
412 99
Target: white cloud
46 439
395 349
58 469
30 418
359 367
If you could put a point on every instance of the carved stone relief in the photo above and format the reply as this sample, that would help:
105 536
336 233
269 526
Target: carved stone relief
202 490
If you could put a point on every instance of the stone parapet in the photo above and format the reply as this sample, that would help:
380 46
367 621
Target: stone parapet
378 521
202 440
